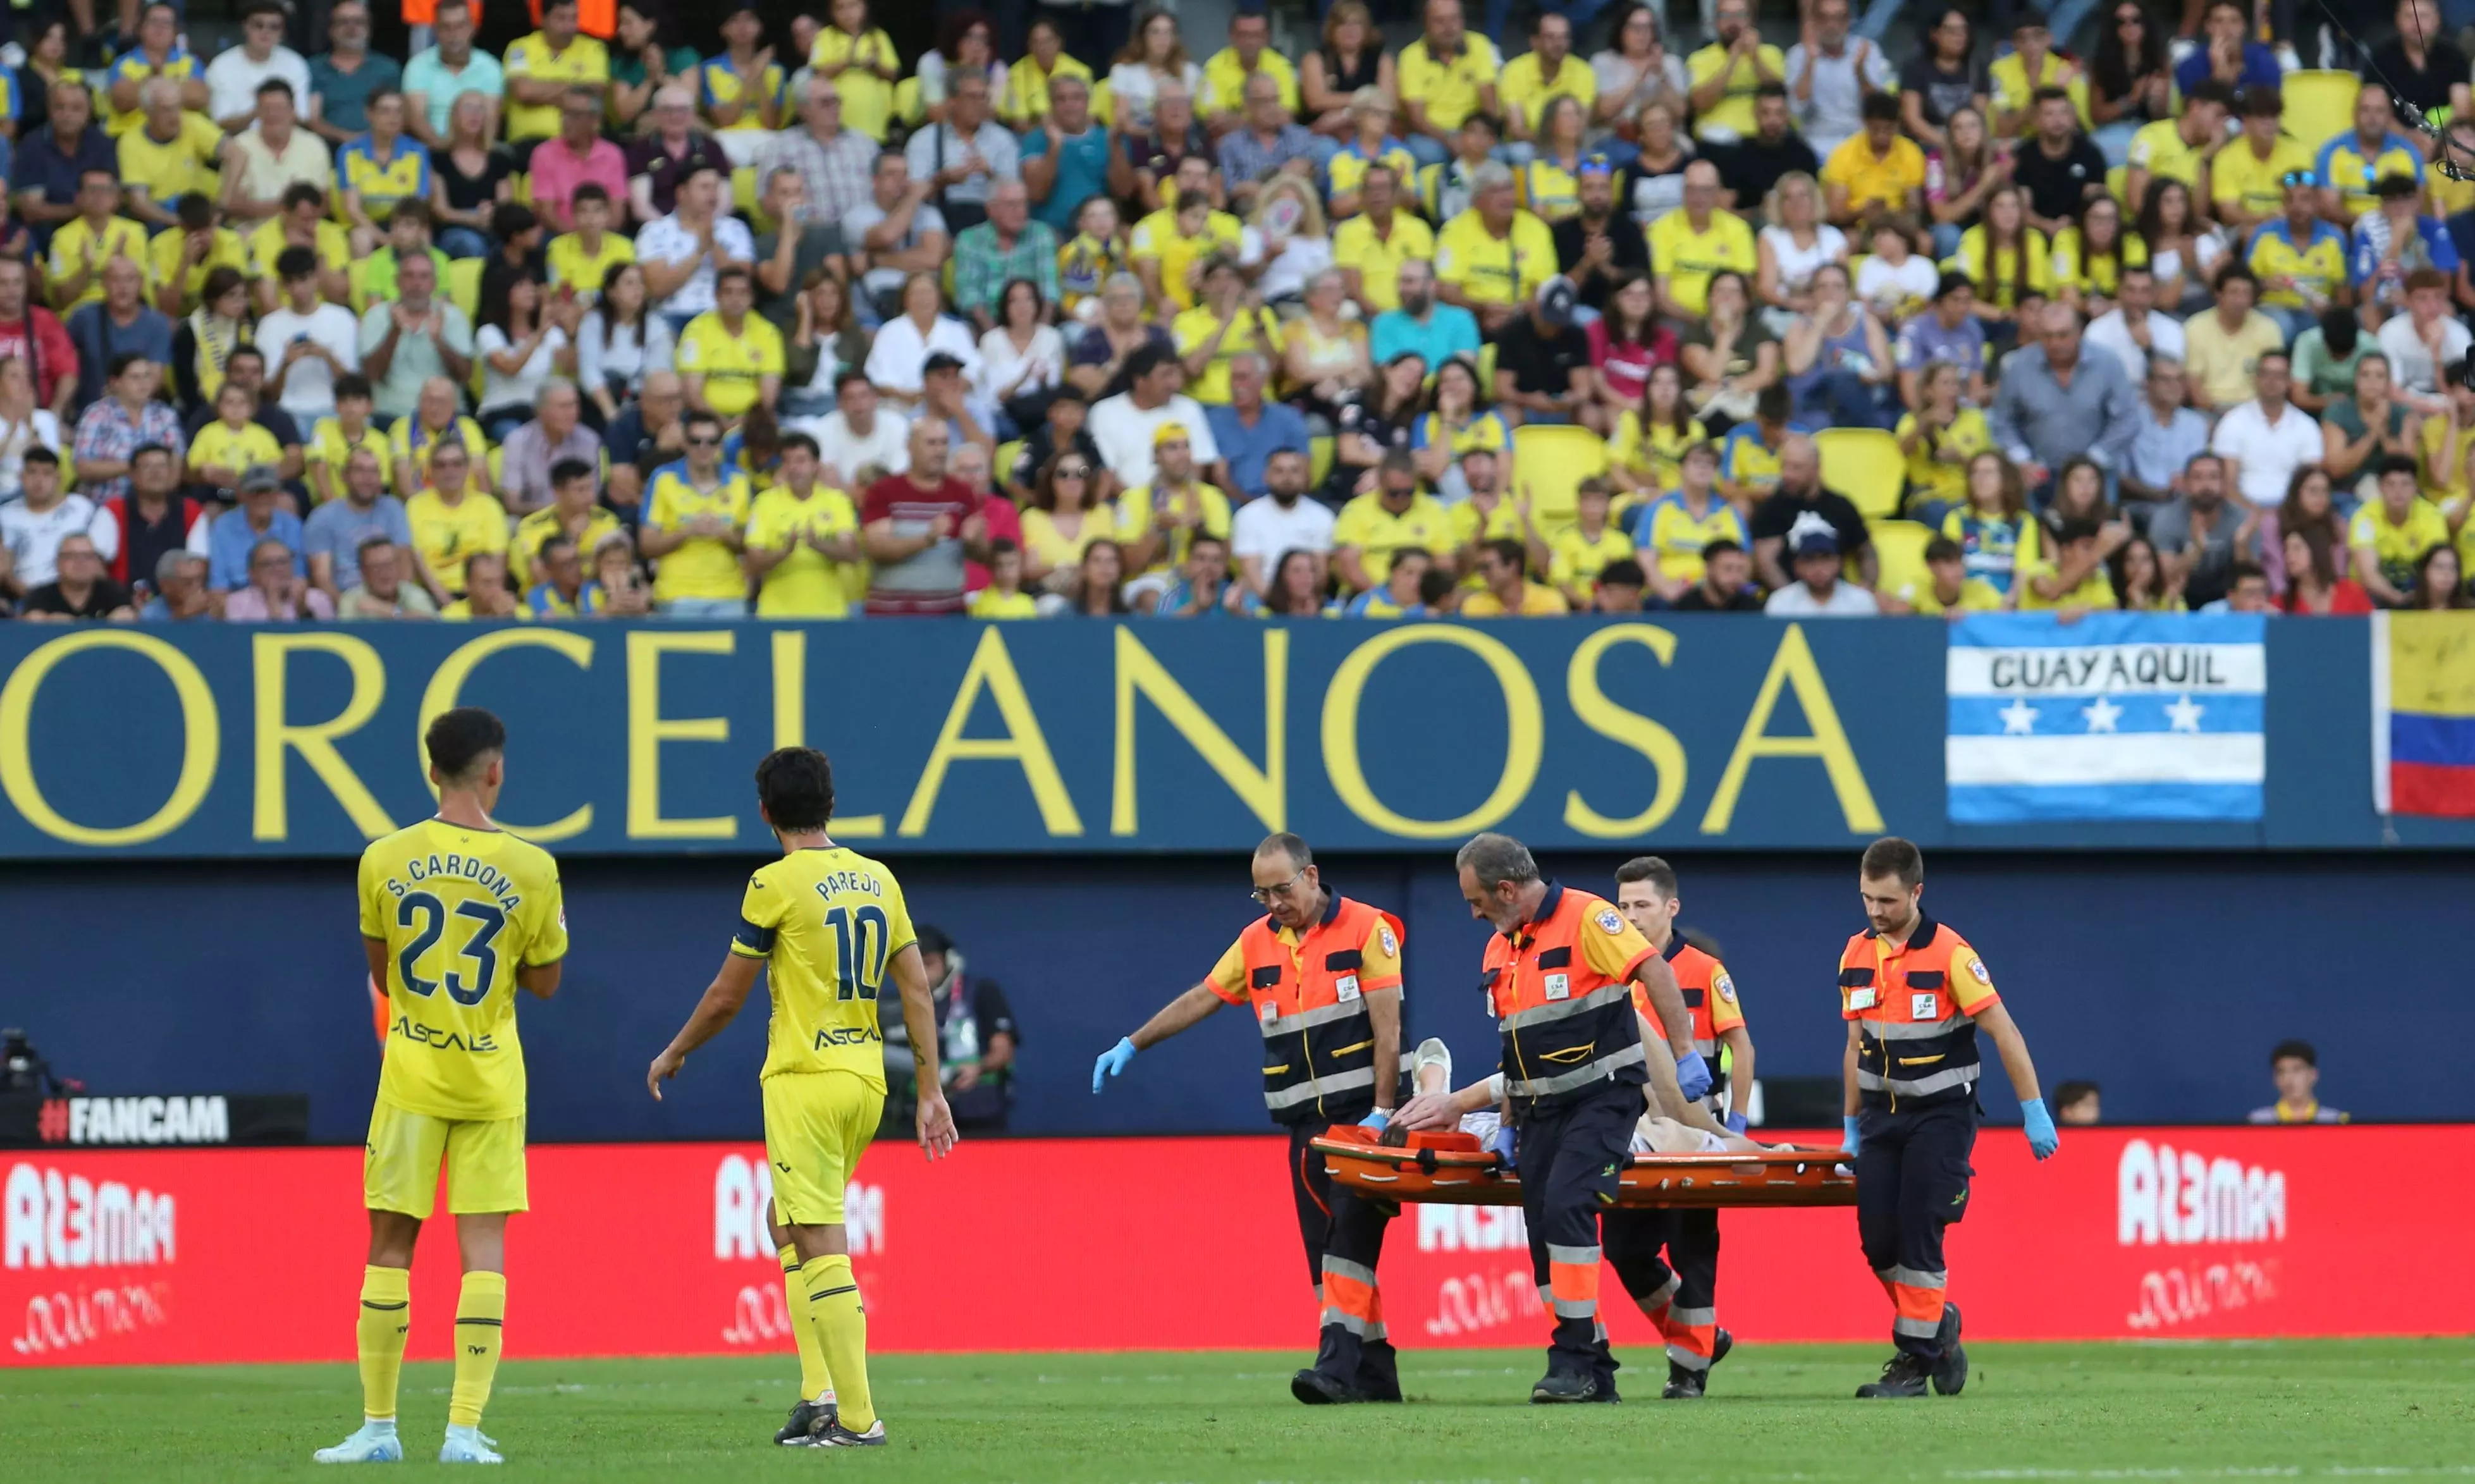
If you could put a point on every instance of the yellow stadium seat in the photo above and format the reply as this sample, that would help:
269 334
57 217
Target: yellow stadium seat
1900 548
1319 457
2114 180
2319 105
464 284
907 105
1104 105
494 462
521 184
1550 462
1009 454
1865 464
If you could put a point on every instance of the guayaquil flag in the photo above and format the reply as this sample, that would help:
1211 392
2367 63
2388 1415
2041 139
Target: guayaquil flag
2423 713
2117 715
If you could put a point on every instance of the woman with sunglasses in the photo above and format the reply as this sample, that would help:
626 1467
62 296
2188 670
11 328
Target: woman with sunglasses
1062 521
2130 82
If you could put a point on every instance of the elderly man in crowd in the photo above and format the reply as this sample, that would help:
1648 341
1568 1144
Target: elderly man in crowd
2055 402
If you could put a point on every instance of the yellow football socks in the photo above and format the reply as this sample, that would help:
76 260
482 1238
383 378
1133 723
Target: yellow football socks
841 1329
814 1380
386 1309
481 1315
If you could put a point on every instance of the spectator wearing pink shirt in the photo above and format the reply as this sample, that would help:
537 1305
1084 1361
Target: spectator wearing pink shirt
579 153
276 592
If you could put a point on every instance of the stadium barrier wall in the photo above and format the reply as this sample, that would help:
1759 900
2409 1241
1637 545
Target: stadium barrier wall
2165 978
1694 732
255 1255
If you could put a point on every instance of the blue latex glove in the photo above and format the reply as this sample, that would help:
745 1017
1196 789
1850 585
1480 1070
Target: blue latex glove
1736 1124
1692 1076
1112 1062
1378 1120
1849 1138
2042 1140
1503 1145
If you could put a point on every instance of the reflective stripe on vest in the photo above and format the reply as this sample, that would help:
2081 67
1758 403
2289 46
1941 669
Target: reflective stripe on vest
1898 1056
1318 1037
1564 1025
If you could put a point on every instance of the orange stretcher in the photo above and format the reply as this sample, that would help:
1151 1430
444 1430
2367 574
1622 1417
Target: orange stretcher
1453 1168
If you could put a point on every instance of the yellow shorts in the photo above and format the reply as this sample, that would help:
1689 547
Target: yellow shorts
484 1158
817 1125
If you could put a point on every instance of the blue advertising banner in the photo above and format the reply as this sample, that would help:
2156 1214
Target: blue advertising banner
964 737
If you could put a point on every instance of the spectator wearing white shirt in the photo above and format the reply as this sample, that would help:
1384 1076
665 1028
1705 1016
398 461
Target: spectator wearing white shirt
1828 75
261 161
1121 427
2133 330
682 252
903 344
1819 592
2425 341
33 526
233 76
1283 520
2265 440
309 341
857 434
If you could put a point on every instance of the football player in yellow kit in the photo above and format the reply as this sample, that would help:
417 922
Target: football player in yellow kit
829 926
456 915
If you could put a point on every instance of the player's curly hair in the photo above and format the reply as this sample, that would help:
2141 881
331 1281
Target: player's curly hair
460 742
795 784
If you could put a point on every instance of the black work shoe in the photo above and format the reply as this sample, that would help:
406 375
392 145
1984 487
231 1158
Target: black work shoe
1683 1383
1721 1345
1565 1386
1951 1371
807 1418
1903 1376
1316 1389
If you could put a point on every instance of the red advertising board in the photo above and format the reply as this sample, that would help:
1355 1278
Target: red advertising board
1104 1244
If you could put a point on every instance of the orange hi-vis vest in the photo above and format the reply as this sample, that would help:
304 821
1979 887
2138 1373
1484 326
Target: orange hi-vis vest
1913 1005
1710 997
1309 993
1560 987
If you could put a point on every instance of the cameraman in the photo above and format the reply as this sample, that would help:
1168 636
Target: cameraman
976 1036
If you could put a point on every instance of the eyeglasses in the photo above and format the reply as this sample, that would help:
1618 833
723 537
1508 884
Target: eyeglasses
705 443
2299 178
1073 472
1266 894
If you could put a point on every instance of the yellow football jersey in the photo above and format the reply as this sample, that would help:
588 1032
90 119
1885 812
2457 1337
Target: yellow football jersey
460 910
828 922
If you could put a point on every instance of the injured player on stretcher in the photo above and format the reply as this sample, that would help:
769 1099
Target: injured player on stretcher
1478 1107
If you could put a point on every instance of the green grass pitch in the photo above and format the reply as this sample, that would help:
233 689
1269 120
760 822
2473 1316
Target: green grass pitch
2375 1409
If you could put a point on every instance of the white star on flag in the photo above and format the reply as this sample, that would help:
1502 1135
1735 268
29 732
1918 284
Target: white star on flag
2184 716
2101 714
2019 719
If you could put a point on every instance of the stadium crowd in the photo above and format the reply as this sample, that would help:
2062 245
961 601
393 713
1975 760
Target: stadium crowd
1124 321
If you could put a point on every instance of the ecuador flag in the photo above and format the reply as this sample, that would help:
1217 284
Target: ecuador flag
2423 713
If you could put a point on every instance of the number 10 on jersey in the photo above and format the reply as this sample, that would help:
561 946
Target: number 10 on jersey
860 943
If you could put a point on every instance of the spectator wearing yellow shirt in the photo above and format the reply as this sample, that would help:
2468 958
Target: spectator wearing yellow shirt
180 258
487 593
1939 439
1726 73
2005 257
1370 247
730 356
1003 598
1547 71
1371 144
334 440
740 89
2030 66
1223 104
380 170
174 155
301 222
2349 163
696 518
1168 246
1584 550
1690 245
1444 77
2180 148
451 520
1505 588
2248 177
93 238
1946 590
1390 518
803 541
1157 522
436 420
1493 259
1877 169
221 450
2222 346
1025 105
2076 575
583 259
2302 261
158 54
1229 322
860 60
541 67
572 514
2389 535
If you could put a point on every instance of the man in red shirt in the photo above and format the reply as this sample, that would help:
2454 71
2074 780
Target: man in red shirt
918 527
1003 521
34 334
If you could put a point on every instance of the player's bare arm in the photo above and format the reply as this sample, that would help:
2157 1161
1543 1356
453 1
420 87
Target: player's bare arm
720 1006
540 980
1666 1096
935 1121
